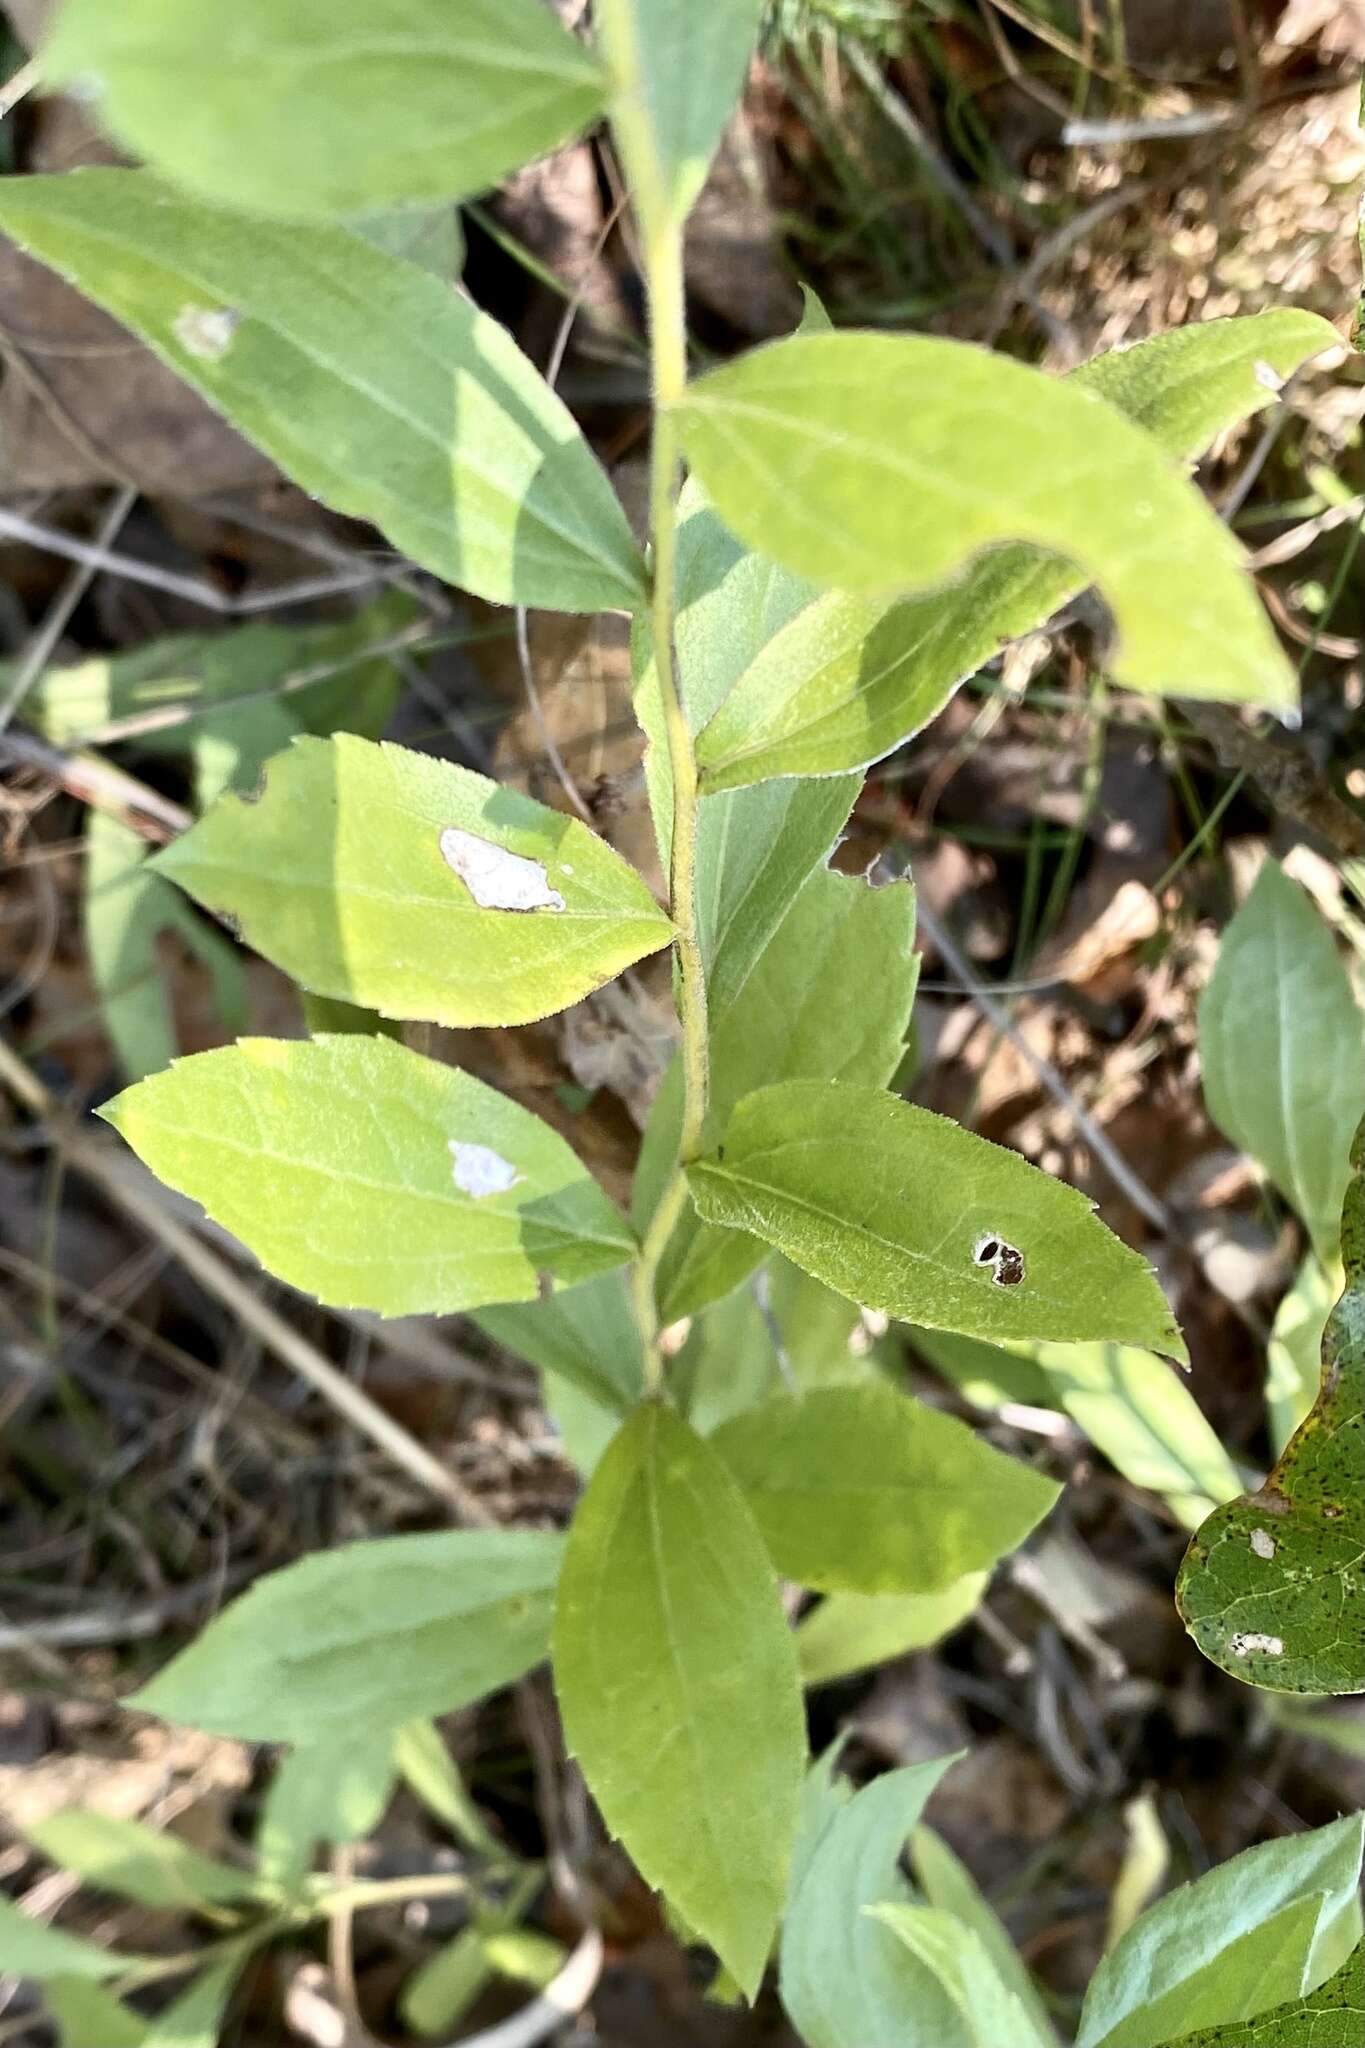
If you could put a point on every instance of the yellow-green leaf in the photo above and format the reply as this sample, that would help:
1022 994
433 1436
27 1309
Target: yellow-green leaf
329 106
677 1681
881 463
371 1177
373 385
863 1490
906 1212
415 888
849 1632
829 998
356 1641
850 678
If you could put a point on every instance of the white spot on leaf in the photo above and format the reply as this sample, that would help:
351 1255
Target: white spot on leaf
1243 1645
1263 1543
478 1170
1267 376
495 878
206 332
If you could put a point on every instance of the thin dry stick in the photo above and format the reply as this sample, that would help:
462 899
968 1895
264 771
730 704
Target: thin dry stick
218 1279
523 630
194 589
98 784
44 642
18 86
1112 1160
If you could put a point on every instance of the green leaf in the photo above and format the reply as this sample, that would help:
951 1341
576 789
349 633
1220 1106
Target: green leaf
879 463
1219 1949
30 1948
1294 1353
731 1360
374 386
137 1862
231 700
1331 2017
1273 1586
327 109
988 1375
432 237
1282 1045
860 1489
195 2018
427 1767
851 1632
1145 1420
586 1335
677 1682
332 1788
1190 385
416 888
88 2016
959 1962
949 1885
846 1981
895 1206
367 1636
441 1990
126 910
1129 1403
678 69
371 1177
755 848
809 1010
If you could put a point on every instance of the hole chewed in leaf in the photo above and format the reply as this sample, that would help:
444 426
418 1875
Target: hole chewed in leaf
478 1170
495 878
1005 1260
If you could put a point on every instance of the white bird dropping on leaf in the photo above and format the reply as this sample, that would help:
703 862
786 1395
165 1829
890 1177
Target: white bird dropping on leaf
478 1170
495 878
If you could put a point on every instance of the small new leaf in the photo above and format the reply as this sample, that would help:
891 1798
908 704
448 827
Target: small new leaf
897 1208
1273 1586
415 888
338 1162
361 1639
677 1681
327 108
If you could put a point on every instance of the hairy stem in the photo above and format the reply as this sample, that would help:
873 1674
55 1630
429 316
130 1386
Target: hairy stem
660 219
668 356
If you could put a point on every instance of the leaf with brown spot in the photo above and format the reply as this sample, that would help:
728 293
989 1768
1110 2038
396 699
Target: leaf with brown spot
1273 1586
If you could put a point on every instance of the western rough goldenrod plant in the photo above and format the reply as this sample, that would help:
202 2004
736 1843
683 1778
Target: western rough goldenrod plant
842 527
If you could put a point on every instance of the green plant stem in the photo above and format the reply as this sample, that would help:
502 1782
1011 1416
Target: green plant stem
661 228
